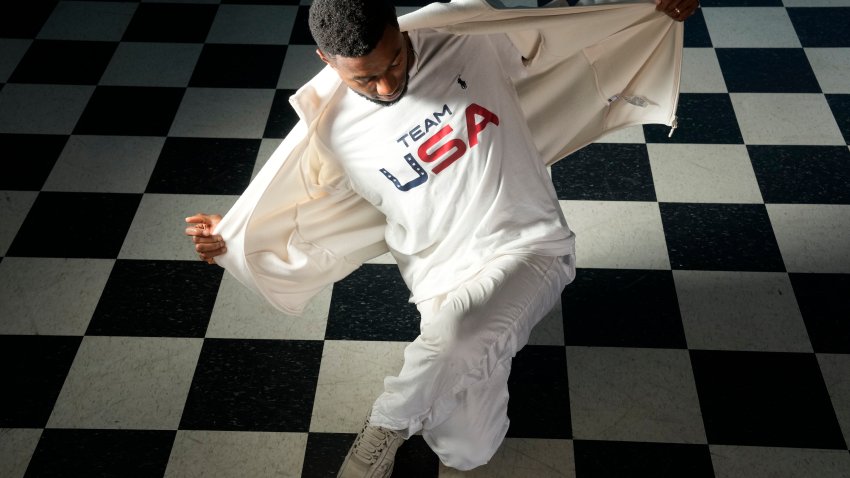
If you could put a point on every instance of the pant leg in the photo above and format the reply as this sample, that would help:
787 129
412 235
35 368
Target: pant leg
465 336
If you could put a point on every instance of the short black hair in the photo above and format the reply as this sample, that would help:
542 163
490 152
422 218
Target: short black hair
350 28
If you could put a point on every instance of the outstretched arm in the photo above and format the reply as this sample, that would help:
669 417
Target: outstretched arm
678 10
200 229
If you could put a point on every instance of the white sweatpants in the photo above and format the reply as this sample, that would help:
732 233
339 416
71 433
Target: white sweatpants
453 385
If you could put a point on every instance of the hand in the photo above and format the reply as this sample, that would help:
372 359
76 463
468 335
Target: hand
678 10
207 245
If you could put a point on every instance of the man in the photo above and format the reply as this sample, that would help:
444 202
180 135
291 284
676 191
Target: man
430 131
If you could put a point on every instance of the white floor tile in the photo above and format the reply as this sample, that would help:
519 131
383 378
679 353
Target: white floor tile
16 206
253 24
223 113
16 448
753 311
350 379
46 296
633 395
761 462
831 67
701 72
632 134
812 238
236 454
241 314
127 383
114 164
617 234
42 109
152 64
750 27
703 173
11 52
835 368
786 118
92 21
301 64
524 458
157 231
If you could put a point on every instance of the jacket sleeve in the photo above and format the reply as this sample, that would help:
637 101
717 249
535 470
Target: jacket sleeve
298 228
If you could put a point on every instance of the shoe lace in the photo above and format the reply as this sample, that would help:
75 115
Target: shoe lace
370 443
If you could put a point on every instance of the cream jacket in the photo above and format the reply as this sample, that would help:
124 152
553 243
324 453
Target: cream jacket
298 226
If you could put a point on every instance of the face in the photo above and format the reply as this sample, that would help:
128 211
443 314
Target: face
380 76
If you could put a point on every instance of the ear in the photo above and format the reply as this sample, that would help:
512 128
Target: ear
323 57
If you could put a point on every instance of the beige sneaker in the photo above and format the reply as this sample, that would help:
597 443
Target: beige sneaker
373 453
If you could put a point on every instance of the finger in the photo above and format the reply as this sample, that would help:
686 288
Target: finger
198 232
206 239
209 247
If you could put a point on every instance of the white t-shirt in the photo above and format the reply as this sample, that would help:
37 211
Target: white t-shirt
452 165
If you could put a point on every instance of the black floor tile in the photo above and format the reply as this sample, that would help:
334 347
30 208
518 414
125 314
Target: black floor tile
239 66
253 385
605 172
34 368
101 453
614 459
282 117
726 237
76 225
64 62
755 70
371 304
622 308
415 459
171 23
802 174
765 399
821 27
325 452
703 118
840 106
539 405
126 110
696 31
157 299
260 2
24 19
204 166
823 301
33 155
300 30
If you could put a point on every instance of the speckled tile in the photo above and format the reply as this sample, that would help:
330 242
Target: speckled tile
701 72
372 304
754 70
524 457
821 27
764 462
812 238
241 313
702 118
222 113
236 454
253 385
127 383
67 452
720 173
830 67
16 206
34 369
151 64
42 109
550 329
252 24
145 298
11 52
16 448
834 368
822 299
769 399
785 118
617 234
750 27
620 458
740 311
95 21
539 405
622 308
350 379
633 395
632 134
105 164
802 174
301 64
157 231
41 296
720 237
605 172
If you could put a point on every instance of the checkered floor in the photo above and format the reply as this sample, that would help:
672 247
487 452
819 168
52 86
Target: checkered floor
707 333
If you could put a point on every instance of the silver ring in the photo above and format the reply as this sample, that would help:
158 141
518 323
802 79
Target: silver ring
678 12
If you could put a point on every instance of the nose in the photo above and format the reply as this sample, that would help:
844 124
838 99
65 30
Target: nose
387 85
